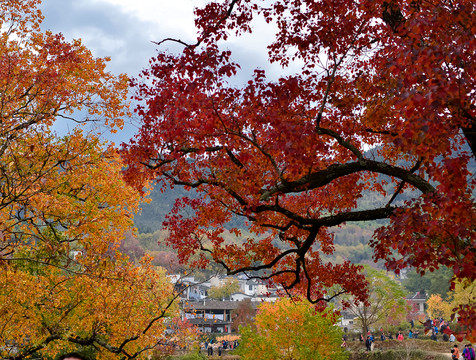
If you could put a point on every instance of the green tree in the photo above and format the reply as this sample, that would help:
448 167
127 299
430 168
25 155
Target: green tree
292 331
224 290
436 282
386 304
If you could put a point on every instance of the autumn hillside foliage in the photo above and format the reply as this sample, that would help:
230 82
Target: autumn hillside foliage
64 207
289 155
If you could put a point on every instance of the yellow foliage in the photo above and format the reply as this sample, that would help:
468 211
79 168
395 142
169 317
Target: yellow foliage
437 307
464 293
224 290
290 329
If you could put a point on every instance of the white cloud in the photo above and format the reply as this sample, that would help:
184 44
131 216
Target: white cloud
172 16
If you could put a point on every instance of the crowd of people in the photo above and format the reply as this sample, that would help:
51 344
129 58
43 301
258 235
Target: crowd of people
369 341
436 327
217 347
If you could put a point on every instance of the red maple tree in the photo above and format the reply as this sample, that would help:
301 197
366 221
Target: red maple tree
288 155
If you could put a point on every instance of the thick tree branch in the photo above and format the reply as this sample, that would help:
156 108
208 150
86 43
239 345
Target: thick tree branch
321 178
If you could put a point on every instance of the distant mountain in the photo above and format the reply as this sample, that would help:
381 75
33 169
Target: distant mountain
152 215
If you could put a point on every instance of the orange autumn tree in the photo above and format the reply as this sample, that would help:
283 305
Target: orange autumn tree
382 103
64 207
186 335
63 285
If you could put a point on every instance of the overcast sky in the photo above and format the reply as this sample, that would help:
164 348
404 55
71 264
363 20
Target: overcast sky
125 29
121 29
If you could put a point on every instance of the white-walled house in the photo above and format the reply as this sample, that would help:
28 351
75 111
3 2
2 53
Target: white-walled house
250 288
239 296
253 287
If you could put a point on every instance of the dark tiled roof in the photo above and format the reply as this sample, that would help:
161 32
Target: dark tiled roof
417 296
212 305
347 315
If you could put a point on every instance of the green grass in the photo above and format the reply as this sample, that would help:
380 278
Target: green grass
409 349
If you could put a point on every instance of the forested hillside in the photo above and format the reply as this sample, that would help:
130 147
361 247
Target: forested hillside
153 213
351 240
351 243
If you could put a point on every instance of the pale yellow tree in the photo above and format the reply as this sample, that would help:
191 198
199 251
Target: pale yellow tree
464 300
386 304
463 293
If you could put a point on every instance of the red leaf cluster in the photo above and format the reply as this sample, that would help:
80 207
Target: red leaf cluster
288 155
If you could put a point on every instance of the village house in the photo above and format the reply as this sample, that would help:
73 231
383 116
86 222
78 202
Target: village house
210 316
417 302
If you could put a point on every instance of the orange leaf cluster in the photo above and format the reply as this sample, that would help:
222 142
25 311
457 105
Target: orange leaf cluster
64 206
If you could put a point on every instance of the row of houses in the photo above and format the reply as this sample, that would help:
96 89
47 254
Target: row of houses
216 316
252 289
